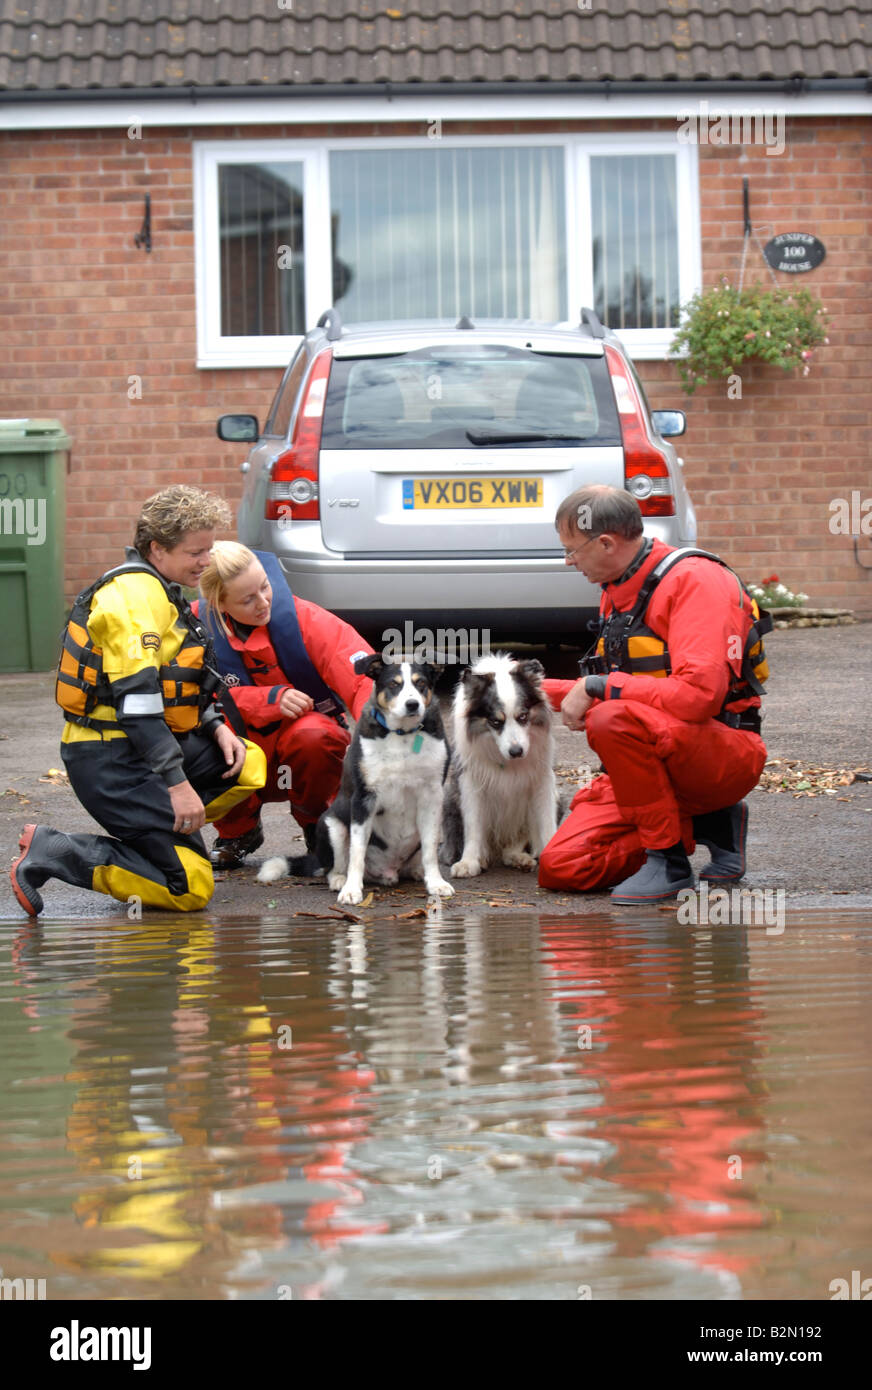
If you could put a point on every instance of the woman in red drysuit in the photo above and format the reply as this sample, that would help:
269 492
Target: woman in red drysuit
289 668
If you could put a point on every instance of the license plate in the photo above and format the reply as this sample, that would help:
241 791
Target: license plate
447 493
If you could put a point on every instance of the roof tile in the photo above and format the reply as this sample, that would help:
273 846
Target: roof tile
54 44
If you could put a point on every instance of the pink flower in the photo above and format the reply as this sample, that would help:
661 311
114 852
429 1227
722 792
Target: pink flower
749 336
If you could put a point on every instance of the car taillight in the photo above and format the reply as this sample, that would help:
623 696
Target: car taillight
646 471
293 491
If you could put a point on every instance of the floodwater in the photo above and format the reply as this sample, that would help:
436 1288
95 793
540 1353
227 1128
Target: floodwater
524 1108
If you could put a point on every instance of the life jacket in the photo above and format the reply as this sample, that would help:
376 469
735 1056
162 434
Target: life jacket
627 644
189 682
295 664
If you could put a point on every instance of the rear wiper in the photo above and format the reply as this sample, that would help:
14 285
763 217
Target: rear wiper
520 437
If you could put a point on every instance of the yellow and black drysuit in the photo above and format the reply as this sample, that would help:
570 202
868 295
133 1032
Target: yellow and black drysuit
141 703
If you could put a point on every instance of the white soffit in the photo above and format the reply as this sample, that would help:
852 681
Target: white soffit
193 110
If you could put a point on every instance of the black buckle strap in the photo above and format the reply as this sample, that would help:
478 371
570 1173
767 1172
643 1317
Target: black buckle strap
744 719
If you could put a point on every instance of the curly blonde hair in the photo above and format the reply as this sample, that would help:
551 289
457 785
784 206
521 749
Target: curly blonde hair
228 560
169 515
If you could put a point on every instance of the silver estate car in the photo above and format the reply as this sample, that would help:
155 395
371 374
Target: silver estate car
408 473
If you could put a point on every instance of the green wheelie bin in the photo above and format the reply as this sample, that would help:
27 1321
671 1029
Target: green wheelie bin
33 476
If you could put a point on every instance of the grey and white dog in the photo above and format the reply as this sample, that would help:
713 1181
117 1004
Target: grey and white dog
503 764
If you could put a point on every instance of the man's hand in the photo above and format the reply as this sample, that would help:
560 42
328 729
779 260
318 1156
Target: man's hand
293 703
233 749
576 706
190 813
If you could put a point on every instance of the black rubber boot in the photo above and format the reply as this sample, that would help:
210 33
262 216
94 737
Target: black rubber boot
230 854
45 854
724 834
664 873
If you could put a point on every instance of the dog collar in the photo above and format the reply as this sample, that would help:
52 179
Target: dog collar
380 719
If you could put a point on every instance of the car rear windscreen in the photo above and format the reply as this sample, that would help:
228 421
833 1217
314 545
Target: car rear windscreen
449 398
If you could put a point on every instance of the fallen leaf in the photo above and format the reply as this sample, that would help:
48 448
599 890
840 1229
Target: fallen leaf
418 912
57 776
367 902
789 774
330 915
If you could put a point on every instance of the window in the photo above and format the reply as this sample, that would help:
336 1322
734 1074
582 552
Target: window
279 419
260 212
635 240
437 233
454 398
515 227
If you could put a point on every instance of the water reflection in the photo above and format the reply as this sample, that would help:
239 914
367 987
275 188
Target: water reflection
529 1108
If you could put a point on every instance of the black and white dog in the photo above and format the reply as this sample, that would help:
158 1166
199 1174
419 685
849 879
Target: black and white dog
386 821
503 764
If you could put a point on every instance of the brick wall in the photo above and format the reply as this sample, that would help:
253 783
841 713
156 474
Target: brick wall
84 311
763 470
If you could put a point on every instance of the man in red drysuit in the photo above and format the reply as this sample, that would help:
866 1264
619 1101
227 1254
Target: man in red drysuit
673 714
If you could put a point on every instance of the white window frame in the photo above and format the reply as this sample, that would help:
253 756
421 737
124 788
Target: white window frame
213 350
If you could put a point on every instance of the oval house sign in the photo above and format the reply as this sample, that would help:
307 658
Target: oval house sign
794 252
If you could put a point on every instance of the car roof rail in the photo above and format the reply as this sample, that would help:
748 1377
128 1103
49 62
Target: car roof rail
590 320
464 322
331 320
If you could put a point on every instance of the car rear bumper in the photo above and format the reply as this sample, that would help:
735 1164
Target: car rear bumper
455 583
508 593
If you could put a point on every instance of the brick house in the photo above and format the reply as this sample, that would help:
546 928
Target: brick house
430 160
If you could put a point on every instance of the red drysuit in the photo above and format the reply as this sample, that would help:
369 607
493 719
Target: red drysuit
666 757
305 755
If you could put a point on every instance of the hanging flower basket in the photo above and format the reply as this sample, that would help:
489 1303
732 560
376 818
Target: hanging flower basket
725 326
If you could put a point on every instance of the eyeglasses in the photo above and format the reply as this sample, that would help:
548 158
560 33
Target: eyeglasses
568 554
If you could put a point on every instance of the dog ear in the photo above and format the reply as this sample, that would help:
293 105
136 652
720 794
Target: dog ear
471 676
369 665
476 686
532 669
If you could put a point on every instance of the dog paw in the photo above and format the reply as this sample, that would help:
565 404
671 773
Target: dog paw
272 869
335 881
438 888
519 859
351 895
466 868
